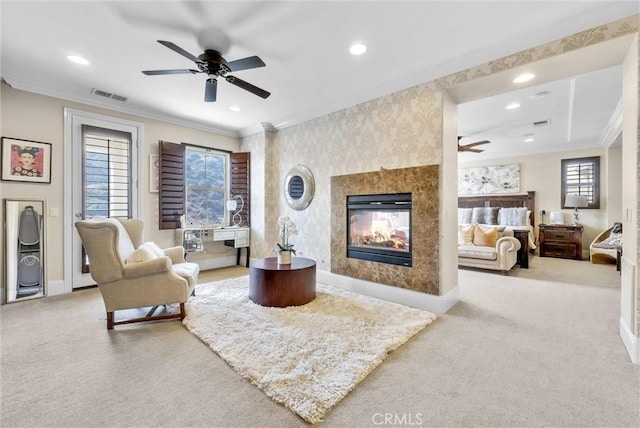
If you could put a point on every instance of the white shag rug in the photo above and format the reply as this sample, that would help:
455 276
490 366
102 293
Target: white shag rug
305 357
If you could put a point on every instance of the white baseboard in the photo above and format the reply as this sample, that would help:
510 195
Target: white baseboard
56 287
631 342
415 299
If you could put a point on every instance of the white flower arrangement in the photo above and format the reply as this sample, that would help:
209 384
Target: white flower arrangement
286 228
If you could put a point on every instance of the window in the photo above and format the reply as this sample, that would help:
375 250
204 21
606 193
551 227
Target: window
107 181
205 186
196 181
581 176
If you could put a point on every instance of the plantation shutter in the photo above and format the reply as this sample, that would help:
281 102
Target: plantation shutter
171 177
240 183
581 176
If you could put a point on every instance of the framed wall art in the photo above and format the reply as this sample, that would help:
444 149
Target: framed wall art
489 180
25 160
154 173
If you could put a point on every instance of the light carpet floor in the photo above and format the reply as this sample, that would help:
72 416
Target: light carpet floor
306 357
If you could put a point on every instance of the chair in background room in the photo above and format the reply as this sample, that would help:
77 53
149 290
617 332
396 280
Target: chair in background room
132 274
604 248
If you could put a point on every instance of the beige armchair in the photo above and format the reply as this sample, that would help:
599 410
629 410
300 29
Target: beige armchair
131 274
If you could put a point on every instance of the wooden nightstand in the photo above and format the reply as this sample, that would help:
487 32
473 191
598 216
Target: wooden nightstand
563 241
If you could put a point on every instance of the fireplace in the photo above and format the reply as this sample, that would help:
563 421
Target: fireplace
379 228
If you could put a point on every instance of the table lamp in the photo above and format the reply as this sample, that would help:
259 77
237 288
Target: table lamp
576 201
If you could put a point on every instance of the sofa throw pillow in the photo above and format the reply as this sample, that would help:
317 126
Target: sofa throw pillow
485 215
485 236
464 215
465 234
153 248
513 216
145 252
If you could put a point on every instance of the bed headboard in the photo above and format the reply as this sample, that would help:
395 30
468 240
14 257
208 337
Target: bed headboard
503 201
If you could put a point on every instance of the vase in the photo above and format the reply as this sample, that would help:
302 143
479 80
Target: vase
284 258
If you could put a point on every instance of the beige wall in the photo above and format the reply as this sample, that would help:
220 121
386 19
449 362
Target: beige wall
40 118
542 173
614 184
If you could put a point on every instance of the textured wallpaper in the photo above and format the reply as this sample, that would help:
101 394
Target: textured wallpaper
399 130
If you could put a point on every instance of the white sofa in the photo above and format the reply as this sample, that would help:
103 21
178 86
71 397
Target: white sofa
501 257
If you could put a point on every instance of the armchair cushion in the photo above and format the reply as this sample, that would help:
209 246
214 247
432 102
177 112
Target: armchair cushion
614 240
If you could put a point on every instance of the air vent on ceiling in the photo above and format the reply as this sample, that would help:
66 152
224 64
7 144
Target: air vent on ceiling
542 123
105 94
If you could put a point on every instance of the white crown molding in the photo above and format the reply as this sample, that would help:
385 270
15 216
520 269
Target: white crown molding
613 128
124 108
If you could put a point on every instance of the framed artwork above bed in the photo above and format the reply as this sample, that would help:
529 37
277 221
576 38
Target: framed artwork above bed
487 180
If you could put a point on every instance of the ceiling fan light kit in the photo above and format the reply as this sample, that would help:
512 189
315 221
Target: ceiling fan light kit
214 65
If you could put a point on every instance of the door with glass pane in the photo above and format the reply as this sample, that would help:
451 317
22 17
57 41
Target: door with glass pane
104 182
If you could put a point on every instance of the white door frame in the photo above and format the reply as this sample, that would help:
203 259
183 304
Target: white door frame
73 119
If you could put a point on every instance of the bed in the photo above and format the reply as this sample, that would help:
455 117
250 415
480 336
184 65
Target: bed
524 234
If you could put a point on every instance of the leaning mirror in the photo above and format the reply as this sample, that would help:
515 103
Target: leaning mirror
24 249
299 187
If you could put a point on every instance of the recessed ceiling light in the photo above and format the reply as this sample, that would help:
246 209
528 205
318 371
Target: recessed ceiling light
235 108
525 77
358 48
77 59
529 140
512 106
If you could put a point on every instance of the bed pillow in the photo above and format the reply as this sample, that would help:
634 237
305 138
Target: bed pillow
513 216
465 234
485 215
485 236
464 215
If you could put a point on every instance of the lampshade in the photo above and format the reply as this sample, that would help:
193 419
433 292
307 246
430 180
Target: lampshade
576 201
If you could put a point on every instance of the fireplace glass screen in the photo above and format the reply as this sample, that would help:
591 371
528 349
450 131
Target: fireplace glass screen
379 228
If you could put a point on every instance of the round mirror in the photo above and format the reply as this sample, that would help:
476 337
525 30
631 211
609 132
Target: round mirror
299 187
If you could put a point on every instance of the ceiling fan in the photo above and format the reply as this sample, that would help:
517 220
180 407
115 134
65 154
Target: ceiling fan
470 147
214 65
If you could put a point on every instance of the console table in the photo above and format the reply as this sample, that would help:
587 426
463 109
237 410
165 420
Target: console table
193 239
271 284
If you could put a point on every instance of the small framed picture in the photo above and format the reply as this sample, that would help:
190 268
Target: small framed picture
154 171
25 160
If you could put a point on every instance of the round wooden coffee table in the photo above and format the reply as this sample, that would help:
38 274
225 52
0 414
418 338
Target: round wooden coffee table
271 284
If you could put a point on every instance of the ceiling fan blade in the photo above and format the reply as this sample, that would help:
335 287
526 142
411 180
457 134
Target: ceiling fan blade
210 90
247 86
477 143
245 64
466 149
179 50
161 72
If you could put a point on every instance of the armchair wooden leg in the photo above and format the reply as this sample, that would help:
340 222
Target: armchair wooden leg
109 320
182 311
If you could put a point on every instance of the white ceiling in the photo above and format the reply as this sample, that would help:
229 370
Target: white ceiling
305 46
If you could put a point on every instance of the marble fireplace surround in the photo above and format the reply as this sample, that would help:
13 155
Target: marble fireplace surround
423 183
